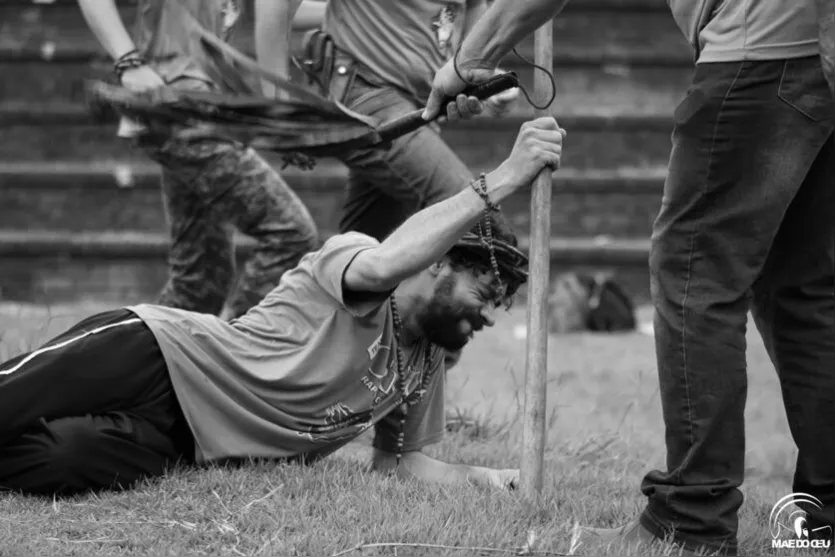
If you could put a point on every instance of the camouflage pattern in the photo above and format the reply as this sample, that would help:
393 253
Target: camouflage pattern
210 187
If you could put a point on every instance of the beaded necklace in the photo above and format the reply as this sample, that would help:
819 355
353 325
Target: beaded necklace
486 233
425 376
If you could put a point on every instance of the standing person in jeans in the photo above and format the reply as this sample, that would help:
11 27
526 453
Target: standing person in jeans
207 184
386 56
747 221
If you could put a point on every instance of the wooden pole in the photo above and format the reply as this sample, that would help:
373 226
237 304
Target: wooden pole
536 364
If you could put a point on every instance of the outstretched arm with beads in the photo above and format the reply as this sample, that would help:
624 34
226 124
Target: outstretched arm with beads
429 234
416 465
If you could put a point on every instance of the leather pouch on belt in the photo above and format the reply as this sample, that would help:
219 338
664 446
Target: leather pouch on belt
317 59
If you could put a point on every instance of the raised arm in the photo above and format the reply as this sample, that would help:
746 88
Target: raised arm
503 25
427 235
310 14
475 9
273 23
102 16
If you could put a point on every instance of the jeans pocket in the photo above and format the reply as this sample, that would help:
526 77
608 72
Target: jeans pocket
804 88
688 109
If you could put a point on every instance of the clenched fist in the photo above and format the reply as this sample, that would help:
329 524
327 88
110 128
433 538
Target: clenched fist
538 145
142 79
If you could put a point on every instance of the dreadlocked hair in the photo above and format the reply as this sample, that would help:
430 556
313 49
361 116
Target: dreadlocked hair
464 257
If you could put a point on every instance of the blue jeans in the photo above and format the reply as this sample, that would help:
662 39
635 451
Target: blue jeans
388 184
747 222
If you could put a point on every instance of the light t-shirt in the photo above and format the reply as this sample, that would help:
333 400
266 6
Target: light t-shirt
404 42
302 373
161 38
737 30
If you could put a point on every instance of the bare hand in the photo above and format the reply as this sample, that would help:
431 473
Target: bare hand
499 105
465 108
538 145
448 84
142 79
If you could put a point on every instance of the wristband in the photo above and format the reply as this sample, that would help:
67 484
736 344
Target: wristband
480 187
127 61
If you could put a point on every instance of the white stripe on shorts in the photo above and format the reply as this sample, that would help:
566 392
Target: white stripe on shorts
67 342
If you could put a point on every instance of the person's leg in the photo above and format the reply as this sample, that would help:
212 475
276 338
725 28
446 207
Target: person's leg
73 455
201 258
389 184
745 138
794 309
210 184
107 364
248 193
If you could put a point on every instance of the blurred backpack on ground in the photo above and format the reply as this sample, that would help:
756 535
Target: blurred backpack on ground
586 302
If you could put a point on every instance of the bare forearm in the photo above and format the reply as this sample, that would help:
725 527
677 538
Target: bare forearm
102 16
475 9
416 465
273 22
503 25
426 236
310 14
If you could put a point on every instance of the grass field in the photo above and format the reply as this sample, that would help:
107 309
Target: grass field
604 433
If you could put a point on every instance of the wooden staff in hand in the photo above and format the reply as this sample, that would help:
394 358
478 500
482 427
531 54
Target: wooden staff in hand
536 363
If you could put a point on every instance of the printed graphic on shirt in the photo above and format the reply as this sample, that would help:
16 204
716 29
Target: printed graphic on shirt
375 347
444 26
343 420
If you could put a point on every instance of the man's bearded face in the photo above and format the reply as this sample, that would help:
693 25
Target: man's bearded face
461 304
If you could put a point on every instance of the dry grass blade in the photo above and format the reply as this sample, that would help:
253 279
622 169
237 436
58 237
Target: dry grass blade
395 545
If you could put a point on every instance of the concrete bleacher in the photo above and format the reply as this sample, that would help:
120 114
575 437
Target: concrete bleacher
81 214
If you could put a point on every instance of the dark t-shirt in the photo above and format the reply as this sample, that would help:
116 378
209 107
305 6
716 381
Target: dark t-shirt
303 372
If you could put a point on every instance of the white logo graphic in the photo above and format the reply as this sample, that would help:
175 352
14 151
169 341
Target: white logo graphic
788 526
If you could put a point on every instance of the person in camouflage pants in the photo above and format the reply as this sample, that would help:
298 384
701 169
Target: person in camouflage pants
209 186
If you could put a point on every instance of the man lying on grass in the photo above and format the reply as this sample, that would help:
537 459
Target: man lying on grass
351 338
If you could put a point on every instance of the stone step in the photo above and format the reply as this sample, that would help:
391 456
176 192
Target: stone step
594 89
641 33
62 267
595 141
125 197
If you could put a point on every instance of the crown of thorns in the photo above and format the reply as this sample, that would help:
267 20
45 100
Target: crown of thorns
511 263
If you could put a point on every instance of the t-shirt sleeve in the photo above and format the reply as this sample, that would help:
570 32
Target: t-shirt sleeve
425 422
330 264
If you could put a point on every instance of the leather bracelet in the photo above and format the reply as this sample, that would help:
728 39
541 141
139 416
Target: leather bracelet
128 61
